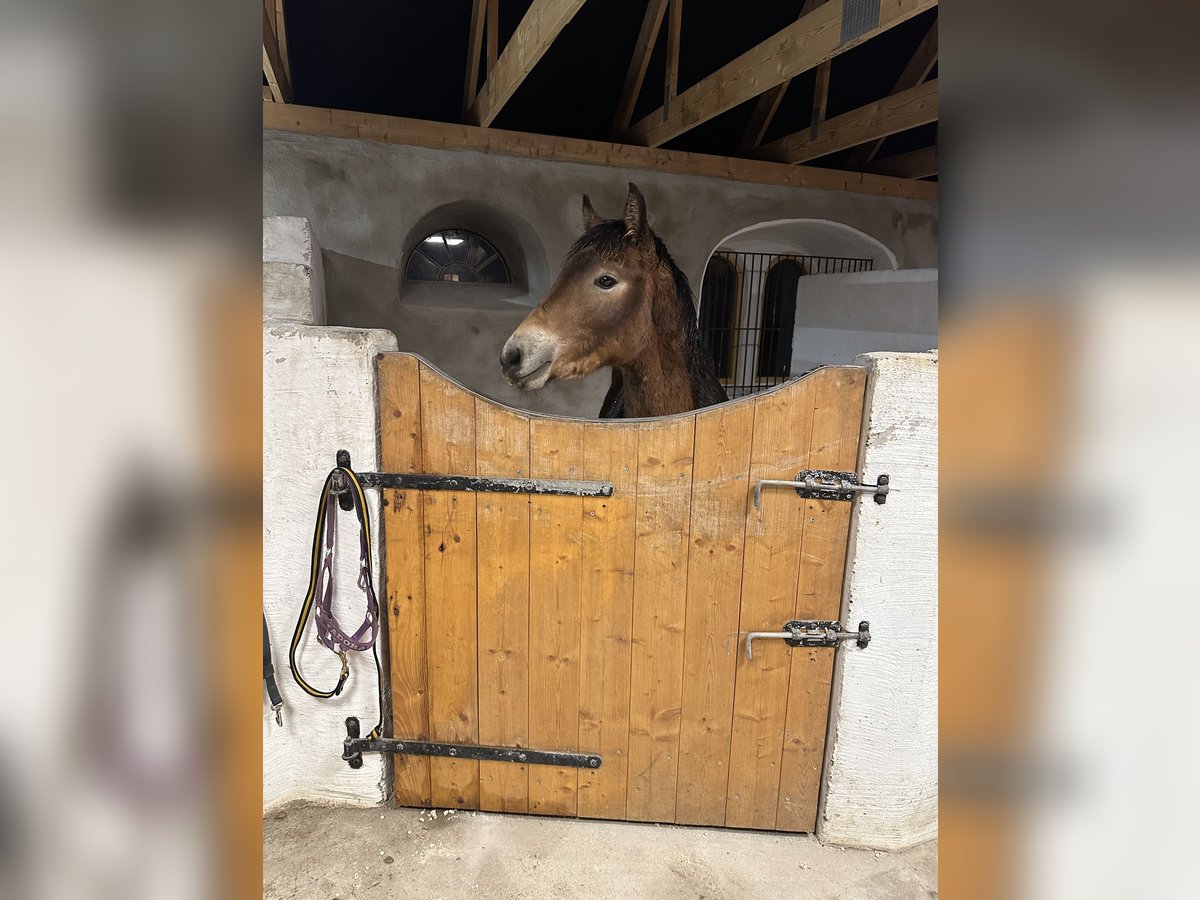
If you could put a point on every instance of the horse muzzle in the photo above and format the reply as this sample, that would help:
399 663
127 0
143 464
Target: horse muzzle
527 358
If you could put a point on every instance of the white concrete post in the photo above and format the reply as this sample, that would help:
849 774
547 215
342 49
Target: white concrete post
319 396
293 277
880 782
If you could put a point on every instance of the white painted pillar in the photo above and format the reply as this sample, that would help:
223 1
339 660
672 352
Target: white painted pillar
319 396
880 782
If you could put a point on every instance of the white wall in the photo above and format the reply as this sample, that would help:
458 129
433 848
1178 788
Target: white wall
319 397
839 317
880 783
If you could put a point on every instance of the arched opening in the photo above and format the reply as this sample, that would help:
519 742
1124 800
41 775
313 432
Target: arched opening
463 233
457 256
809 293
718 313
778 319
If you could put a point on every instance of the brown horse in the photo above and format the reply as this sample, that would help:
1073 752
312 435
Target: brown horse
619 301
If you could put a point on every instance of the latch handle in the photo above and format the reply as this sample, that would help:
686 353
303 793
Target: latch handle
820 484
821 633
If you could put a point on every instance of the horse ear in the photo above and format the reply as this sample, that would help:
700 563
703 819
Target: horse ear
635 215
591 218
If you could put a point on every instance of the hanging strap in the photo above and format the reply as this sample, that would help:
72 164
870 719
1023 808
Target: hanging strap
320 587
273 694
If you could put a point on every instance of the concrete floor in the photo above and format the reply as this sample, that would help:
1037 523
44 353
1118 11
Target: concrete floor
339 854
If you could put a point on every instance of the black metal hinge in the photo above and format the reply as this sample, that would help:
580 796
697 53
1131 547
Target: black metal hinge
354 747
417 481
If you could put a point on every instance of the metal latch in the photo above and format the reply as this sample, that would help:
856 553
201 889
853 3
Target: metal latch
813 633
822 484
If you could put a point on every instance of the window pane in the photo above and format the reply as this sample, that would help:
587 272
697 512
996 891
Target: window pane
456 255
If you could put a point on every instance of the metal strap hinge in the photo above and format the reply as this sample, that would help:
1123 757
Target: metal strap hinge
354 747
813 633
419 481
823 484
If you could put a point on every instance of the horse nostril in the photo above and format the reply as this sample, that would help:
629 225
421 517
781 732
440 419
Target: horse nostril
510 358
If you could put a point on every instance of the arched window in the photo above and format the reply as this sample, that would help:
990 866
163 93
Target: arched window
718 308
457 255
778 320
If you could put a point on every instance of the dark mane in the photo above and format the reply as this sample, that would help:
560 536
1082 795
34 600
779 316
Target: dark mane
608 241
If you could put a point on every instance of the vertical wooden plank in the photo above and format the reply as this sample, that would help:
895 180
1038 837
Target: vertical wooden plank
555 572
448 447
782 426
502 541
404 557
606 613
837 419
720 490
660 598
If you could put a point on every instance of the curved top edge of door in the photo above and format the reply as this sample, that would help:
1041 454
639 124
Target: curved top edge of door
818 374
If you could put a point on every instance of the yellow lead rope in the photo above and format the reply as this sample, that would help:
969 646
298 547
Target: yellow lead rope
310 594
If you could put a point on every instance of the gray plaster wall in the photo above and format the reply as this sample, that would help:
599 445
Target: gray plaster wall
371 203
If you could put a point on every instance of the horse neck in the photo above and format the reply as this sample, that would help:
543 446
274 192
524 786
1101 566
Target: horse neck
659 381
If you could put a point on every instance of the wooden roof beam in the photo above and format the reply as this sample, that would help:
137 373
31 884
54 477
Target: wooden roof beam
923 60
642 48
543 22
768 101
449 136
805 44
899 112
474 42
914 164
273 66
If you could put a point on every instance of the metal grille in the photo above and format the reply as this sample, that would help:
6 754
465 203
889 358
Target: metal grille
748 313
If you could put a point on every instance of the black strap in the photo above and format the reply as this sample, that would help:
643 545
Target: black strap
273 694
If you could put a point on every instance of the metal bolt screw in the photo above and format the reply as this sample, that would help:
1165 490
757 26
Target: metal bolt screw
453 752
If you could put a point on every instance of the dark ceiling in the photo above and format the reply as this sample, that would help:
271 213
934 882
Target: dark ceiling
405 58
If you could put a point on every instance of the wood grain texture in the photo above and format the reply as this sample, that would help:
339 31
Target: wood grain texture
536 32
642 48
404 559
893 114
502 541
616 624
720 491
774 533
659 605
448 447
923 60
809 41
837 421
606 618
556 585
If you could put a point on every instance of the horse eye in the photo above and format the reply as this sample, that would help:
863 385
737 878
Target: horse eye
605 281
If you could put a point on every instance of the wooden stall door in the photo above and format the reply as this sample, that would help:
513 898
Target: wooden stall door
615 625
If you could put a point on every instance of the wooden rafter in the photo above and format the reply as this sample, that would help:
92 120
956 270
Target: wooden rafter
442 135
820 98
671 76
919 66
642 48
273 66
768 101
914 164
803 45
474 42
543 22
760 118
893 114
493 34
